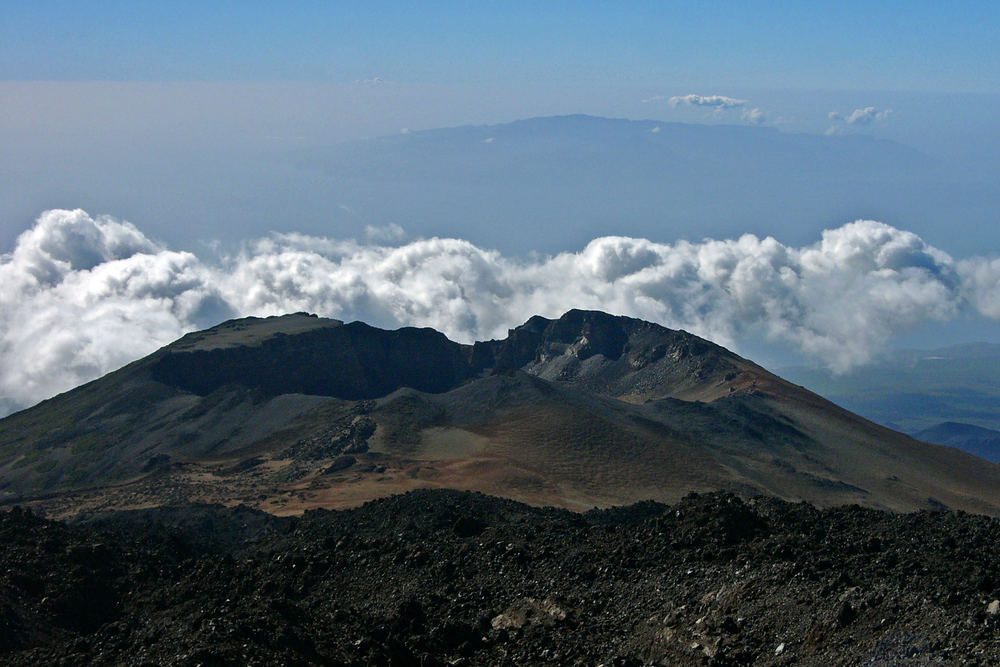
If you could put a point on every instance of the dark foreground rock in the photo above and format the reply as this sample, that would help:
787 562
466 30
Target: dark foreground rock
440 577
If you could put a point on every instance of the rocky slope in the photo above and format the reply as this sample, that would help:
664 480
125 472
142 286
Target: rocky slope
441 577
293 412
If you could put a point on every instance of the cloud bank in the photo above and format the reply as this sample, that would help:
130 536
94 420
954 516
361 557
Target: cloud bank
83 295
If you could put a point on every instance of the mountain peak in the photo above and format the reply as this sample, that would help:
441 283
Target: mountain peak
582 410
252 331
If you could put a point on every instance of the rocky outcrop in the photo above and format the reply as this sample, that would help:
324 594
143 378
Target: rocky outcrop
353 362
357 361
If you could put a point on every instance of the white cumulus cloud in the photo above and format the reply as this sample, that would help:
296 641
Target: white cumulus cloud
720 103
714 101
82 295
865 116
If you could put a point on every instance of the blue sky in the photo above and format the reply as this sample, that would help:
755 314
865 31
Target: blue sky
913 46
160 110
110 104
226 131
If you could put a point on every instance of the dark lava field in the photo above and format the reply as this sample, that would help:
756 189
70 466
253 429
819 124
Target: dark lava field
453 578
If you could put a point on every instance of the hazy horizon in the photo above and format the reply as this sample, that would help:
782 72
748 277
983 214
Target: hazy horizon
226 136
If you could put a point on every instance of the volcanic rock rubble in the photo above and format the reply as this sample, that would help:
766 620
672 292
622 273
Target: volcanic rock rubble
445 577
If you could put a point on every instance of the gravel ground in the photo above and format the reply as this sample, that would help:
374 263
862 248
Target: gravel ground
443 577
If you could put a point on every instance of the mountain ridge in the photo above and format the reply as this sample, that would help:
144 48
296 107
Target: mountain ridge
569 179
982 442
914 390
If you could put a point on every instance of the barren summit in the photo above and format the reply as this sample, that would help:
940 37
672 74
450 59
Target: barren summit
295 412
